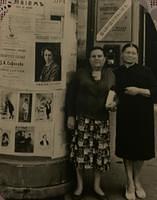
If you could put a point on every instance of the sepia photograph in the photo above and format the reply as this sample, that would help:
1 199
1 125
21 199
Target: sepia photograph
78 99
24 139
8 103
5 138
44 106
47 62
44 141
25 107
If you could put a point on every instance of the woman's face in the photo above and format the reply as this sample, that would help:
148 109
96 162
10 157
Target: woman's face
97 59
45 137
48 56
130 55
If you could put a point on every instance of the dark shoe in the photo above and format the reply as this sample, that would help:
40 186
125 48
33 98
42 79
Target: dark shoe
101 197
76 197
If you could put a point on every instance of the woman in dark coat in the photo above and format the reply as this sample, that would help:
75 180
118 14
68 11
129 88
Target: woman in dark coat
88 116
137 90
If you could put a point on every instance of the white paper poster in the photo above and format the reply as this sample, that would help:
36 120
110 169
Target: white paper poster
27 122
27 36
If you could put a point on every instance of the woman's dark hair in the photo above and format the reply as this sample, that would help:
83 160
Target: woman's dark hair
47 48
96 48
129 45
5 135
25 99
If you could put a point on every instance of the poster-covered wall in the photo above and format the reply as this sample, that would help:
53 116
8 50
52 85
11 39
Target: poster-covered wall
35 56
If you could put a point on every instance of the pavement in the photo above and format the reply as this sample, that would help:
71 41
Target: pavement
113 181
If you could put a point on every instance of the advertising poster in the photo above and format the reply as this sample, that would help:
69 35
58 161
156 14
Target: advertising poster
35 56
118 27
27 122
26 32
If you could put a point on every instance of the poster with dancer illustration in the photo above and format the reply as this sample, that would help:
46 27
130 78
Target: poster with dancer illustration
25 107
44 106
8 104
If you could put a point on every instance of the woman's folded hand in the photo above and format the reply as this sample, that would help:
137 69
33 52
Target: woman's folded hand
132 90
71 122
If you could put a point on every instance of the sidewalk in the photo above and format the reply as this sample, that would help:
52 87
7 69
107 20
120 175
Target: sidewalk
113 182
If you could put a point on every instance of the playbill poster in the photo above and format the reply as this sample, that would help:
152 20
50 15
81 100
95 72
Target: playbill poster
31 41
31 122
32 80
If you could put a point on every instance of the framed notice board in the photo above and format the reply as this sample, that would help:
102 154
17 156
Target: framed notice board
113 20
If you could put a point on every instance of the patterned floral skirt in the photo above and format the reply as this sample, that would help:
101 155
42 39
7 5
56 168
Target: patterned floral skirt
90 146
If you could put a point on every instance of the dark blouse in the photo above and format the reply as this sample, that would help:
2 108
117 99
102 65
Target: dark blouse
87 97
135 113
50 73
137 76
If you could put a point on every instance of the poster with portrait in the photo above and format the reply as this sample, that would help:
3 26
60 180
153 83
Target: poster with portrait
25 29
47 62
24 139
35 55
5 138
44 141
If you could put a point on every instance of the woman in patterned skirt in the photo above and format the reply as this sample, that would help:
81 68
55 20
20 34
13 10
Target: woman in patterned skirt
89 117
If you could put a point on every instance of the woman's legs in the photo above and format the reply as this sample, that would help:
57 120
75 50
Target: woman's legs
137 169
79 176
138 187
130 189
133 169
97 183
129 174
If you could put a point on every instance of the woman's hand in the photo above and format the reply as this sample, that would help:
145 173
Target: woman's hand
110 101
135 90
111 106
71 122
132 90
